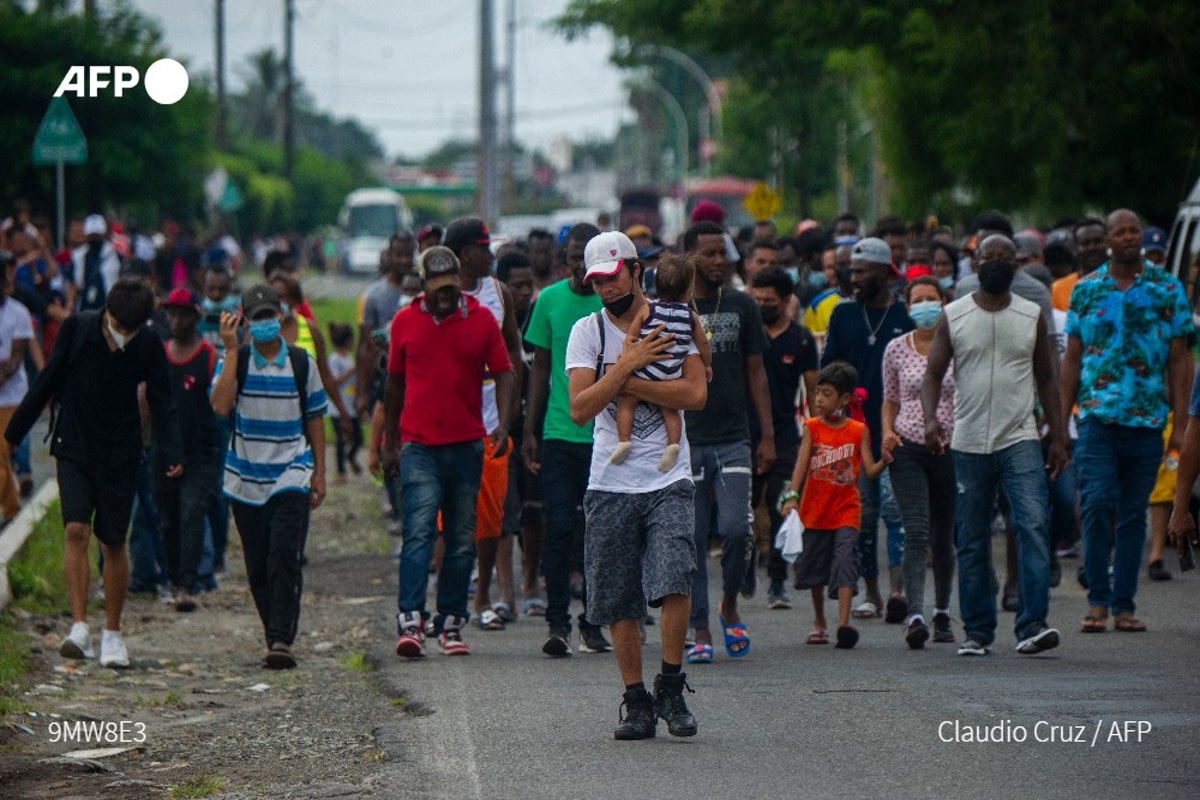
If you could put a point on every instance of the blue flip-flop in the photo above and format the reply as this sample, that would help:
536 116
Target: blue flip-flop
700 653
734 633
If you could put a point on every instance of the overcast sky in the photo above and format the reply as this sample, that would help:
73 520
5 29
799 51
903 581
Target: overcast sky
408 69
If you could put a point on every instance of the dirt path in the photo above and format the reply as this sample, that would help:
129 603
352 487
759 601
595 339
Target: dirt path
205 711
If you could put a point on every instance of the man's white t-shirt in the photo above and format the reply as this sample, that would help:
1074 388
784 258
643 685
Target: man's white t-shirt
638 473
15 323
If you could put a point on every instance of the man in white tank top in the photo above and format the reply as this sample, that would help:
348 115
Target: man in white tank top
1001 352
470 240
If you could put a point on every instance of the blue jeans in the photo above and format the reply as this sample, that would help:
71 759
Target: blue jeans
892 519
565 470
1117 466
218 509
443 478
722 474
1019 470
147 558
868 528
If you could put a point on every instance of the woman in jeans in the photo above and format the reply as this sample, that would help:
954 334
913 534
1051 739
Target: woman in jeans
923 482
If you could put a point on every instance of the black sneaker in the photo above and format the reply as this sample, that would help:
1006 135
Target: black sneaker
639 720
670 705
918 634
942 632
591 640
559 643
1041 638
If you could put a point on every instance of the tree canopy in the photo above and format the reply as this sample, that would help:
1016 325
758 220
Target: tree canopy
1047 106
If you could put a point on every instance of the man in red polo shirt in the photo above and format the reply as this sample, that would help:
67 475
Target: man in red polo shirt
441 347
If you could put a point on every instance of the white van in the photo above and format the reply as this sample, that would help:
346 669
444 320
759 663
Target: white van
368 218
1183 252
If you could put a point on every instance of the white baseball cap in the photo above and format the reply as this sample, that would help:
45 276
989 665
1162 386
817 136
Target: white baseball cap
94 224
606 253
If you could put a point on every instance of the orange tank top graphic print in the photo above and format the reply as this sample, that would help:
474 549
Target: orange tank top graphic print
830 497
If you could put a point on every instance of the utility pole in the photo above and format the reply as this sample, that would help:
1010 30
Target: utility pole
220 70
510 112
489 195
289 80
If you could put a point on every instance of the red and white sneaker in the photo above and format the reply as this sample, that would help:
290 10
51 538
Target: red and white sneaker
411 643
451 640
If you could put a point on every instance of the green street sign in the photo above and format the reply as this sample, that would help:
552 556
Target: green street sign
59 137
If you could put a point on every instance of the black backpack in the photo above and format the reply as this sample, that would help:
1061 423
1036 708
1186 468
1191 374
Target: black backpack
299 359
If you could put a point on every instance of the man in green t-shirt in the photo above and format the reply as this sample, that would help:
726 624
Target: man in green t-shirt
565 455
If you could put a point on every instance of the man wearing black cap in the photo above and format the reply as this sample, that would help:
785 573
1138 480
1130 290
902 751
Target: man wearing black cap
441 347
275 467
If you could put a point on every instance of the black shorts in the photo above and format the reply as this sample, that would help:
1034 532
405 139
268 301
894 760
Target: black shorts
103 500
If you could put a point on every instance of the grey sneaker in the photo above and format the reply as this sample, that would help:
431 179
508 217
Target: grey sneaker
1042 639
591 640
973 648
777 597
942 632
559 644
78 643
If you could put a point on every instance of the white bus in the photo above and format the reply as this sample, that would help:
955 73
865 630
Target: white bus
368 218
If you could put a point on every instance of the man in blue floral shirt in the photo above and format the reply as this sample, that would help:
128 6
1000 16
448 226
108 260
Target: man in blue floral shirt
1127 364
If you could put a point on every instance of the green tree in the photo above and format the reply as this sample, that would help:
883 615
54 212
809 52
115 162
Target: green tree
141 155
1050 106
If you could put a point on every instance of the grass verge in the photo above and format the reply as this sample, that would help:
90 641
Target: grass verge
203 785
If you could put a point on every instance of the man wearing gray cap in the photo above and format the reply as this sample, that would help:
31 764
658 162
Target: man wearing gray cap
275 466
859 332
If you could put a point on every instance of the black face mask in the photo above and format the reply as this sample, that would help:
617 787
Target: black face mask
619 306
770 314
996 276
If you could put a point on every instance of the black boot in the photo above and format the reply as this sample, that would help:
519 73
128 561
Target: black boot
670 705
638 721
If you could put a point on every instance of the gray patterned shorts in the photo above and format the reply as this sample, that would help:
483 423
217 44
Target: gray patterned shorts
637 549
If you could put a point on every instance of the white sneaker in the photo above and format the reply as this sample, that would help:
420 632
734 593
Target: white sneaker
112 650
78 643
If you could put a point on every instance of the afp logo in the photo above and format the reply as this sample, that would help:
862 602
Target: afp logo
166 81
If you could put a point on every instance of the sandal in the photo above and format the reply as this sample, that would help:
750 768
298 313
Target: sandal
533 607
489 621
700 653
504 612
817 637
866 610
1127 624
1093 623
735 633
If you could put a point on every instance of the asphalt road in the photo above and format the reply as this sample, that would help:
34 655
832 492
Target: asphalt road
796 720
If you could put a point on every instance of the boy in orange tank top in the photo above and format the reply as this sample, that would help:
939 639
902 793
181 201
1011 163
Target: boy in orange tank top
824 489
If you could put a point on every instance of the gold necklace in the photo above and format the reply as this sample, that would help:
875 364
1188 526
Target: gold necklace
712 319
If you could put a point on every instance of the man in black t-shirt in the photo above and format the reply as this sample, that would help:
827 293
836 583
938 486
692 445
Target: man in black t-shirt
719 437
858 334
791 356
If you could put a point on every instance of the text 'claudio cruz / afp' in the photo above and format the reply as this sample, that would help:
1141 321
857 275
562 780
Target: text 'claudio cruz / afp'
1116 731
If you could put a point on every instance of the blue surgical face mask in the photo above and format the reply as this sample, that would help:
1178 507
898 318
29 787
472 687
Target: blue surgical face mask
794 274
264 330
946 282
926 313
287 310
817 279
231 303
